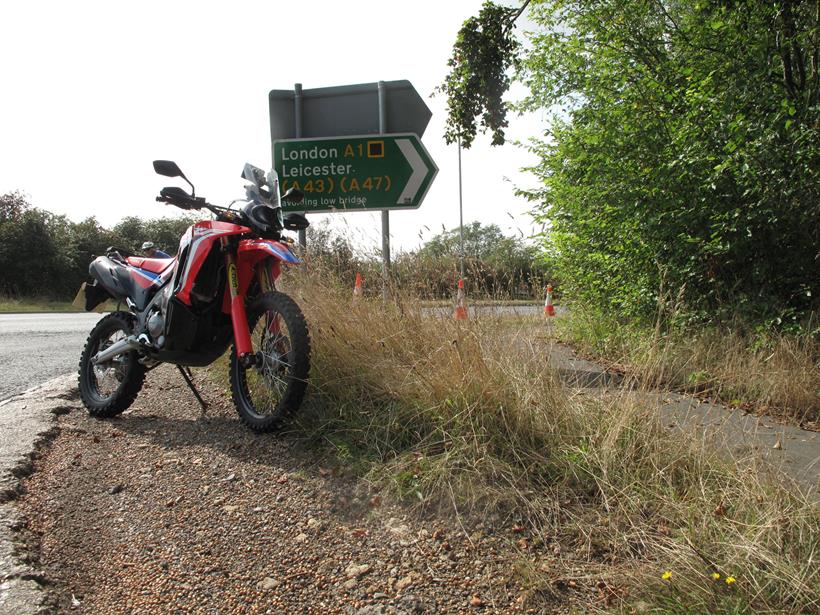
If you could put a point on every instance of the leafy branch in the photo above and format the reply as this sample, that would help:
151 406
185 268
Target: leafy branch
484 50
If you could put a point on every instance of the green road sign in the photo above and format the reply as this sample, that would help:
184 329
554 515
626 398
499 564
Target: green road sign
391 171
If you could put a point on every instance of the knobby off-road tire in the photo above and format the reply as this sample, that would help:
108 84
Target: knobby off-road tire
268 393
125 373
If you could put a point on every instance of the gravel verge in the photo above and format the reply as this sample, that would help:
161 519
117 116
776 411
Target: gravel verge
166 510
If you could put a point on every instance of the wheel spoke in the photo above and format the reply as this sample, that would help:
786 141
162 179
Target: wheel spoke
107 377
267 381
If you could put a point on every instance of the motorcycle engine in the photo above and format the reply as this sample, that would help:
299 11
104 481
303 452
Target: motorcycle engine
156 325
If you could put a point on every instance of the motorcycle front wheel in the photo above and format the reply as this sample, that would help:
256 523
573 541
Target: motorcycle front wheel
272 386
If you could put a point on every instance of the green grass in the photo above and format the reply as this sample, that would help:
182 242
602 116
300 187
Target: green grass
8 305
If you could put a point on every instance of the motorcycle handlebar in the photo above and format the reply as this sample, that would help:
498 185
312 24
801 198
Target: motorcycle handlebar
176 203
189 202
178 197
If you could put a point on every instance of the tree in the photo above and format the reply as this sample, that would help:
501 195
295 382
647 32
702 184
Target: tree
46 255
332 251
89 239
131 232
495 264
33 256
686 154
12 206
166 232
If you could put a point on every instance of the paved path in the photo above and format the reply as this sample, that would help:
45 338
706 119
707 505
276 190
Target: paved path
785 447
37 347
478 311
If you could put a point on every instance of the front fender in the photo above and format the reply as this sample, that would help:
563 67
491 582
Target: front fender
253 251
265 248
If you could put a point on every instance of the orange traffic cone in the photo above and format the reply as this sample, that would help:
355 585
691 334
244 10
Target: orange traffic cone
357 287
461 305
549 309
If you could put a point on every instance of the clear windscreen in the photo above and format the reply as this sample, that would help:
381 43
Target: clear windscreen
273 186
264 188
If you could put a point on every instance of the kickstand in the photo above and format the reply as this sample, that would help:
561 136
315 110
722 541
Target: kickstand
188 377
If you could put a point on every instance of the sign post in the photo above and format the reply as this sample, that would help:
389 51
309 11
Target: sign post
385 212
297 125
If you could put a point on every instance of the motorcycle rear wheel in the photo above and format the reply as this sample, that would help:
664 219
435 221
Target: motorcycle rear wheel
108 389
272 388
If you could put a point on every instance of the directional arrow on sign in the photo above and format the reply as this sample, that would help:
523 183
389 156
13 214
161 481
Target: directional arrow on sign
411 189
390 171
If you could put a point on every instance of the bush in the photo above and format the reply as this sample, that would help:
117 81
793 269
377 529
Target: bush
684 153
59 250
496 266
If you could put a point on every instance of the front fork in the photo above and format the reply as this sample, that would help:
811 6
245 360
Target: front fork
239 316
266 284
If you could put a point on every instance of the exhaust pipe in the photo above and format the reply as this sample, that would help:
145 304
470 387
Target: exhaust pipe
116 349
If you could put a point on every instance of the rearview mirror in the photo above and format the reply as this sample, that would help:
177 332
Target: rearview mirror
293 195
168 168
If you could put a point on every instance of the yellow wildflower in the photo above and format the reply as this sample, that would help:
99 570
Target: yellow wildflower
666 575
730 580
716 576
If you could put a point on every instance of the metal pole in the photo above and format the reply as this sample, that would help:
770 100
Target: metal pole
385 212
460 212
297 121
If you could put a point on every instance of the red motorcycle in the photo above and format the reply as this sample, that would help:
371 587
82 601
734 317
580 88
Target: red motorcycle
186 310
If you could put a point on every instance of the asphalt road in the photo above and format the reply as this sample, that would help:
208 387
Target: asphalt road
37 347
493 310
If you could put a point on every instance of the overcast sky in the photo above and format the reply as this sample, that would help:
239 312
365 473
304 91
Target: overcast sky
93 91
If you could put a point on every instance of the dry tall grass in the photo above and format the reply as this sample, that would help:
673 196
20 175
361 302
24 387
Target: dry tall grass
469 415
774 372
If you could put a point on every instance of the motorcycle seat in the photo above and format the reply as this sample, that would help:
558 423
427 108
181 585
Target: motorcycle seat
155 265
